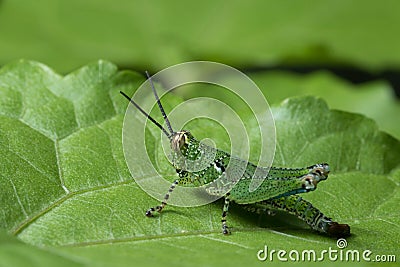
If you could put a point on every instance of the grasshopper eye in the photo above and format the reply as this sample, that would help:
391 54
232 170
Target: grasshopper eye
182 139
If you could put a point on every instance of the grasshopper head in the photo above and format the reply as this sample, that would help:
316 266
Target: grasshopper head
185 150
180 141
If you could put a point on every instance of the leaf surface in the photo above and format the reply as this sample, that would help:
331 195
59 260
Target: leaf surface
65 186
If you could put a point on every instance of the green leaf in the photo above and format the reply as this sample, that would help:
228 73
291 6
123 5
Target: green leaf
13 252
309 132
374 100
64 184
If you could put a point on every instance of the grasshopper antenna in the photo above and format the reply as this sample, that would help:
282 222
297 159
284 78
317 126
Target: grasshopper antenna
145 113
159 104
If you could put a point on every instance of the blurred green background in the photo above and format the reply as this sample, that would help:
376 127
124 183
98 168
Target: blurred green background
344 51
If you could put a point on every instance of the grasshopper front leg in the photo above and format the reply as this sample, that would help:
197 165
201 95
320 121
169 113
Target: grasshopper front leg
159 208
182 180
305 211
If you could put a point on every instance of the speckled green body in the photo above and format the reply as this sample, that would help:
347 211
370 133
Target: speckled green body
277 191
277 182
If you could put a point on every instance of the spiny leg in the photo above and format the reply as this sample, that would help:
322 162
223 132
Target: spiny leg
305 211
159 208
225 227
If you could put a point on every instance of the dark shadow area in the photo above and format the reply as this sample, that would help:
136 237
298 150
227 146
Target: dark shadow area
280 222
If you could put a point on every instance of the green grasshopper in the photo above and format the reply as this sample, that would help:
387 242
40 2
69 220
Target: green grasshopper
278 190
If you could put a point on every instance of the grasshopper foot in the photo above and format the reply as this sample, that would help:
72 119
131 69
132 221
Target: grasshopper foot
150 212
225 230
338 230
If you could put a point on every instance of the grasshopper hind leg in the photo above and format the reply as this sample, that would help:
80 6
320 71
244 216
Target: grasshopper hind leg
260 209
305 211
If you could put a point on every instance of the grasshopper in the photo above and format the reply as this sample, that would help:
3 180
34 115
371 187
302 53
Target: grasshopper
278 190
